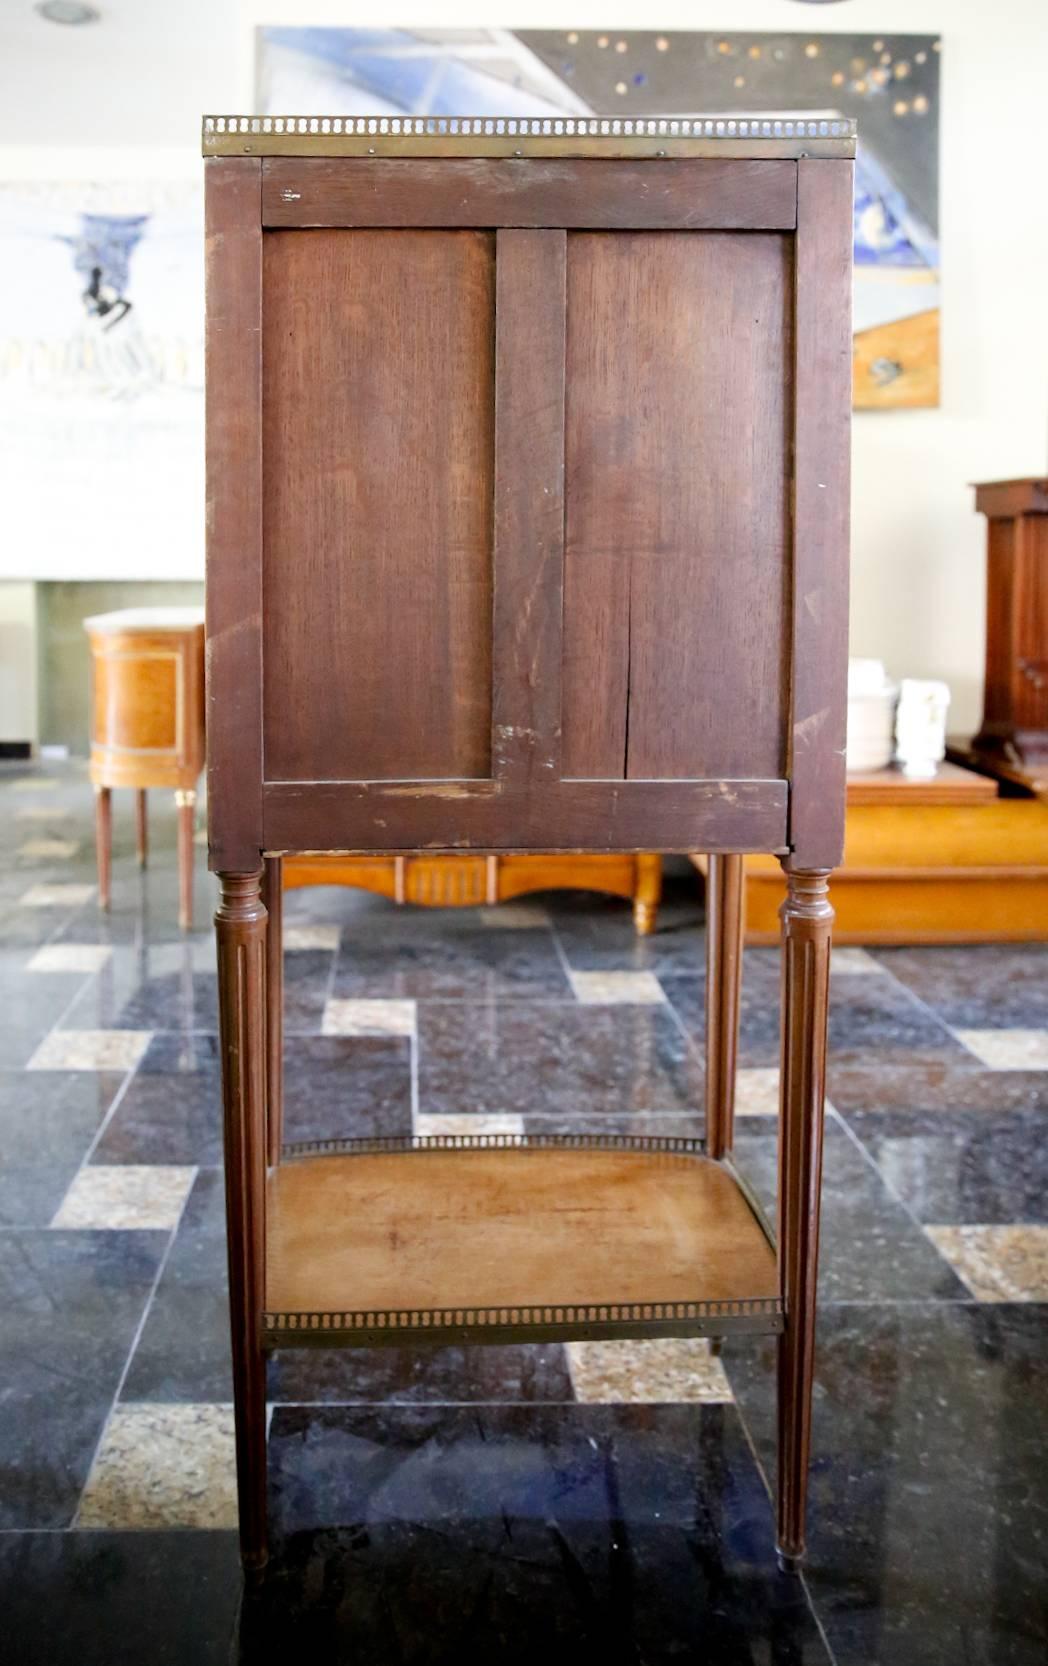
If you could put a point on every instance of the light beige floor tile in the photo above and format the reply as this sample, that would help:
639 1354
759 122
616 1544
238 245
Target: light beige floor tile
303 938
666 1370
70 957
48 850
60 895
1008 1049
163 1466
367 1017
43 812
90 1050
997 1263
34 784
126 1197
617 988
434 1124
757 1093
514 916
855 960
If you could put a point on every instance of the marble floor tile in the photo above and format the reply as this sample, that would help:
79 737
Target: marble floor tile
121 998
757 1092
854 963
71 1303
125 1198
554 1060
161 1466
171 1111
30 1006
369 1017
971 1167
1008 1049
997 1263
48 850
70 957
871 1248
43 813
47 1123
658 1371
34 783
183 1351
90 1050
304 939
58 895
307 983
434 1125
523 1533
445 955
616 988
530 1374
928 1510
514 916
346 1087
955 1082
976 986
119 1599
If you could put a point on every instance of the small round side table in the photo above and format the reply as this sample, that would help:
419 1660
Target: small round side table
147 726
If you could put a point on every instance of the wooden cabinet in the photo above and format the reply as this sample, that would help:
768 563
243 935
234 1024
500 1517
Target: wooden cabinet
528 499
1013 737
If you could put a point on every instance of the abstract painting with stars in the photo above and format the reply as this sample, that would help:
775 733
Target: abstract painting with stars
890 83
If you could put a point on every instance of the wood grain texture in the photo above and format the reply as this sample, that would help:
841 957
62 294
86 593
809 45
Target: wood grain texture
822 470
573 816
676 565
378 437
507 1228
529 505
656 194
234 511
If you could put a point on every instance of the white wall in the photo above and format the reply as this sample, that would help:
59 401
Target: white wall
143 76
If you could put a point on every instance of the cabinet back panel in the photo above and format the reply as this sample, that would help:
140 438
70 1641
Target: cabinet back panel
378 370
677 552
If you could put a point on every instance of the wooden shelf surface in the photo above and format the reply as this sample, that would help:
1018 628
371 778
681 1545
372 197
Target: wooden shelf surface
483 1241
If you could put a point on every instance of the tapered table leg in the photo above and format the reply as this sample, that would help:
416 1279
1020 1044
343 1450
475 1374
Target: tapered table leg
273 893
104 844
807 919
141 826
185 800
647 893
724 894
241 930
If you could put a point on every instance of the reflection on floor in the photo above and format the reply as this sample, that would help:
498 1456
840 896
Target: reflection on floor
507 1504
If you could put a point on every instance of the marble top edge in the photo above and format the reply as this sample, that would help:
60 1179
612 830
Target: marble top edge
827 132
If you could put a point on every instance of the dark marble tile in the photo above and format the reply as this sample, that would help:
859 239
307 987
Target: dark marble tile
758 1006
978 985
962 1168
47 1122
953 1082
871 1249
554 1060
346 1087
404 1376
71 1303
32 1004
690 1125
307 981
597 934
180 1000
928 1524
620 1534
446 954
183 1351
874 1018
119 1599
171 1111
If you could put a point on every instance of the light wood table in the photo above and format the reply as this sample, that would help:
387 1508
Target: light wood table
147 726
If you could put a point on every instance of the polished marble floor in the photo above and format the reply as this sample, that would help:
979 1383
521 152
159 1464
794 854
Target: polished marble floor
595 1501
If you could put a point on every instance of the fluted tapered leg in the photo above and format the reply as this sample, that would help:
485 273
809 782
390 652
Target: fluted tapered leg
724 893
807 920
273 894
241 930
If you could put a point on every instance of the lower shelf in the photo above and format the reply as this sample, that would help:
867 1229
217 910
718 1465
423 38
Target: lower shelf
523 1239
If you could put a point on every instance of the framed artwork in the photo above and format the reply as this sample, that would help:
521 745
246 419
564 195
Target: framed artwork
890 83
101 374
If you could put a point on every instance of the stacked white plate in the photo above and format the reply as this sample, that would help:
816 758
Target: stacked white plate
872 698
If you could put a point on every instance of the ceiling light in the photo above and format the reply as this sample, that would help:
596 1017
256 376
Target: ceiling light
66 11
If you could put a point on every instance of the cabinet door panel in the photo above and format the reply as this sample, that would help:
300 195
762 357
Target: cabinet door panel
377 454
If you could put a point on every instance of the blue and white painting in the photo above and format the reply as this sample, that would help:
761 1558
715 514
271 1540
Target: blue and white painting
890 83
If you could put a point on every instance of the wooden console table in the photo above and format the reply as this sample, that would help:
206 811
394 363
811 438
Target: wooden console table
527 532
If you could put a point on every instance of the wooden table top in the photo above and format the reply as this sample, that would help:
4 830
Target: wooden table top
949 785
